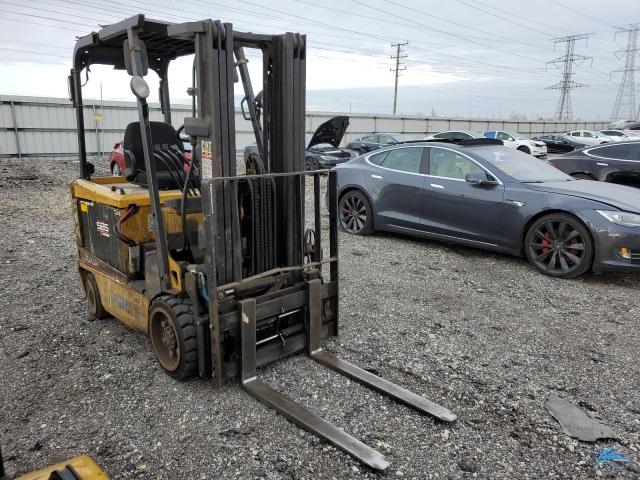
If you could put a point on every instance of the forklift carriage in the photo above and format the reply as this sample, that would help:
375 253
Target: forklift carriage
216 267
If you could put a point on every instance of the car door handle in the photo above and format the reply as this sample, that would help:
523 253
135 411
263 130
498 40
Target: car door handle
602 164
376 176
435 185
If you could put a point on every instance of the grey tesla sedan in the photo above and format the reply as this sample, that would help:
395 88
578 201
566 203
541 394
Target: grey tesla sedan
486 195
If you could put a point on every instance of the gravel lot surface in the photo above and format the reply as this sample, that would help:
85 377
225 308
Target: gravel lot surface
480 333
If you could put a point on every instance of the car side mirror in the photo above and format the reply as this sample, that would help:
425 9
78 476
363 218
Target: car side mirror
479 179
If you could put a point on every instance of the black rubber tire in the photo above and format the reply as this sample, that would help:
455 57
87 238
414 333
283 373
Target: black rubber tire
311 163
582 176
94 300
525 150
583 250
347 202
177 313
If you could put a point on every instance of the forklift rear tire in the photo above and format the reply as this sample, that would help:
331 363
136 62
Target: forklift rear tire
94 301
173 335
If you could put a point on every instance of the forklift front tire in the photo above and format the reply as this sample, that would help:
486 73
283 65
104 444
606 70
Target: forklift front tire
94 301
173 335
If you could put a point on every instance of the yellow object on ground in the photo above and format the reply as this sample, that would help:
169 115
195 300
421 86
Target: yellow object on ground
84 468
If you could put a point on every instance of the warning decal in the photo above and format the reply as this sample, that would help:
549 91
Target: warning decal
206 156
103 228
206 150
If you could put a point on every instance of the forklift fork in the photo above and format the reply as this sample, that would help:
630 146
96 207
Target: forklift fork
300 415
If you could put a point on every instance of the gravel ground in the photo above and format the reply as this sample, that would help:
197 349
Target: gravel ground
483 334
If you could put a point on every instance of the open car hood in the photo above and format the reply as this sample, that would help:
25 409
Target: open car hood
330 132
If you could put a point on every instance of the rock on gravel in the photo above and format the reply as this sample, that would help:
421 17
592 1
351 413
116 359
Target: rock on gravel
481 333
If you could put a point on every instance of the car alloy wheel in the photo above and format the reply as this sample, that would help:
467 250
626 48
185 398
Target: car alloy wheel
311 164
559 246
354 213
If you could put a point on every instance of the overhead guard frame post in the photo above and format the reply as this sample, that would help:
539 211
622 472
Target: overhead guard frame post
135 52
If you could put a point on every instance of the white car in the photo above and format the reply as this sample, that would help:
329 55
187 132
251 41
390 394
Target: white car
621 136
517 141
590 137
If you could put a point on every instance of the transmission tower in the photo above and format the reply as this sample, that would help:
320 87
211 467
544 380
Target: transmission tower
398 58
625 106
566 84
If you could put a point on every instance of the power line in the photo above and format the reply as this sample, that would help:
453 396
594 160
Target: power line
509 19
20 50
489 36
398 58
624 107
512 14
579 12
457 36
566 84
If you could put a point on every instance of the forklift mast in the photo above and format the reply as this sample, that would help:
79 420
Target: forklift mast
259 284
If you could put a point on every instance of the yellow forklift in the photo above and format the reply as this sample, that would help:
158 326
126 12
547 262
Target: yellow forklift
217 268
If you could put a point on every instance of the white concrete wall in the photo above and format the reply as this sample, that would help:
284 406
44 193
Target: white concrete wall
46 126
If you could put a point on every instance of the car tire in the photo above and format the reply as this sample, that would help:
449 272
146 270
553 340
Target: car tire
355 214
525 150
173 335
582 176
115 169
559 245
311 164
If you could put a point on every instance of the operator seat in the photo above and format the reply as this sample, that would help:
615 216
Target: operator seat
168 155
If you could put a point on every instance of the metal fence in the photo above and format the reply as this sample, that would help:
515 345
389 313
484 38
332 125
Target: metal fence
45 127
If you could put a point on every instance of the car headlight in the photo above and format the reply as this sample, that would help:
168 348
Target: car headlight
625 219
329 158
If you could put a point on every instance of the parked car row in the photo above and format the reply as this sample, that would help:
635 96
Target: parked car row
484 189
374 141
322 148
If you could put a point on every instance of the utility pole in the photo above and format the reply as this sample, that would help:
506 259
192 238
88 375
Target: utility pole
398 58
564 110
624 107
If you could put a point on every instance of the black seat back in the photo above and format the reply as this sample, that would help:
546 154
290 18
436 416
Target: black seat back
168 155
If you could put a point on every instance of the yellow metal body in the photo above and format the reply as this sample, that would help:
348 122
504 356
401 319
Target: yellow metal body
122 298
83 465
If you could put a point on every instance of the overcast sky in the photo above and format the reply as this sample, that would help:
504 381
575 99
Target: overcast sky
465 57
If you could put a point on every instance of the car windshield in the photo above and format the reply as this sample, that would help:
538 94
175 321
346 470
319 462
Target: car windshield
524 167
517 136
